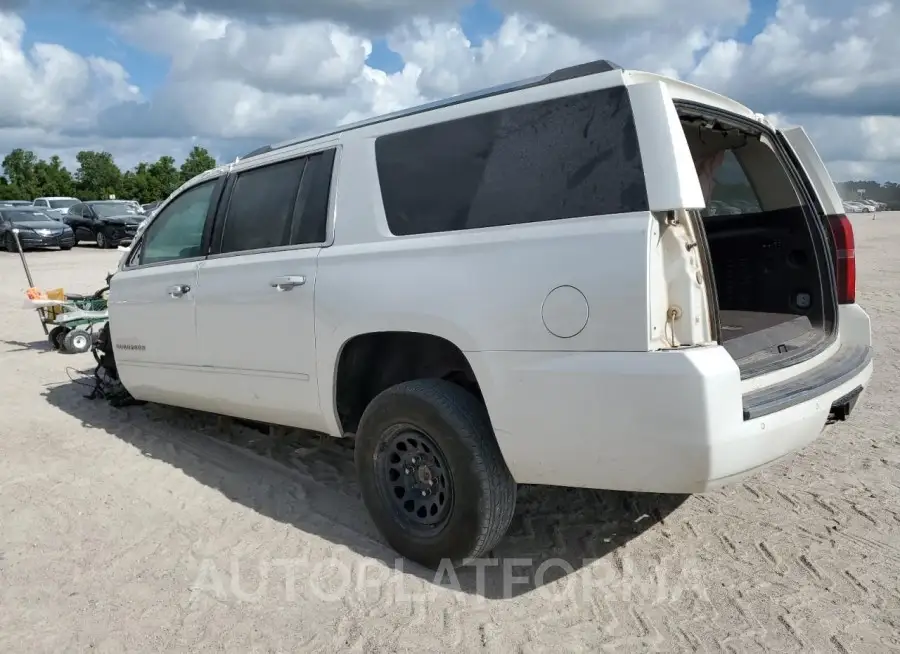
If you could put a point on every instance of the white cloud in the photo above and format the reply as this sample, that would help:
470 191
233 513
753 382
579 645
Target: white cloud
283 58
369 16
236 82
48 84
594 20
805 60
448 63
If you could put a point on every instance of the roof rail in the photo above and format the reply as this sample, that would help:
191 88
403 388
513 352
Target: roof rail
560 75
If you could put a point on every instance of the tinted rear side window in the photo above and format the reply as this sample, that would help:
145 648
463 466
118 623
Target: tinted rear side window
561 158
311 212
261 207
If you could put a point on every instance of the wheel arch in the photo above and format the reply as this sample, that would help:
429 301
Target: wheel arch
368 361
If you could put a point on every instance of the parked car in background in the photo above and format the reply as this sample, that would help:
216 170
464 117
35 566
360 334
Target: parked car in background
150 207
36 229
55 207
875 204
864 206
108 223
15 203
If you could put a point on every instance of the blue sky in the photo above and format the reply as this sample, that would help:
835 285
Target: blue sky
760 13
832 67
85 33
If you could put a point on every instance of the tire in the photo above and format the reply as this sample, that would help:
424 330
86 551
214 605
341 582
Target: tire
476 495
65 247
102 240
57 336
77 341
9 244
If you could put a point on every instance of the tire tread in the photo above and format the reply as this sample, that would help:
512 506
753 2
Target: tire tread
472 426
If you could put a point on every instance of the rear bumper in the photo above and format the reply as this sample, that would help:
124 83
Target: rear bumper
669 422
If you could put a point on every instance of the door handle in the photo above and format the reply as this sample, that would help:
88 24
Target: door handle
288 282
179 290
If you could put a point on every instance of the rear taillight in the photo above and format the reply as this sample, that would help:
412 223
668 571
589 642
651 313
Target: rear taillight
844 258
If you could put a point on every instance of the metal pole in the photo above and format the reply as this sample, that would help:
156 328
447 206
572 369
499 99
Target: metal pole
28 274
22 255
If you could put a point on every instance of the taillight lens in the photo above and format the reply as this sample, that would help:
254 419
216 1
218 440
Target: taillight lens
844 258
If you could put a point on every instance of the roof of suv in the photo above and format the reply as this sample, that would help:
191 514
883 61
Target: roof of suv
580 70
685 89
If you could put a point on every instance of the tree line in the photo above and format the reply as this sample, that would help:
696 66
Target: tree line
26 177
97 176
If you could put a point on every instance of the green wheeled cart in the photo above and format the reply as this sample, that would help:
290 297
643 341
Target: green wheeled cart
72 320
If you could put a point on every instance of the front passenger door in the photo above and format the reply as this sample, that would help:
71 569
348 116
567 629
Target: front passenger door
151 302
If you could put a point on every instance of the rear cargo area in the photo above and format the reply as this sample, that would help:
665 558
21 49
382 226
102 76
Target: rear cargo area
767 253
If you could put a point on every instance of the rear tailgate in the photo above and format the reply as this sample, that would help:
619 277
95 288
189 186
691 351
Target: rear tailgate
840 230
798 142
673 188
847 358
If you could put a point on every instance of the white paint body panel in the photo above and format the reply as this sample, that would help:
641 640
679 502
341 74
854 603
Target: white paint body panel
815 170
602 408
258 343
155 334
577 419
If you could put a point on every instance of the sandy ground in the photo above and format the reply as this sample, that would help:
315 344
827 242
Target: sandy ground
156 529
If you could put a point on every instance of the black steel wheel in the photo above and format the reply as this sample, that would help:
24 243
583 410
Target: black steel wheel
415 477
431 473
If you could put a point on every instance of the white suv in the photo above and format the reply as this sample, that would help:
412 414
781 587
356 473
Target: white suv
520 286
56 206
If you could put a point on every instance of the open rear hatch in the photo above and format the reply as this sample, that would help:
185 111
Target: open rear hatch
750 248
768 242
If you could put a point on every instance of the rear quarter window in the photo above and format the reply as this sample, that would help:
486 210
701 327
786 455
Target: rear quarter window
562 158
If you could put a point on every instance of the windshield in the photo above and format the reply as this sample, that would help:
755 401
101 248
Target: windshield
28 217
62 204
108 209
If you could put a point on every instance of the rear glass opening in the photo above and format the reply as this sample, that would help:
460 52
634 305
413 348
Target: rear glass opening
766 248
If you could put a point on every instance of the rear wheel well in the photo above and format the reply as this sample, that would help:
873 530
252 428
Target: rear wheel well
371 363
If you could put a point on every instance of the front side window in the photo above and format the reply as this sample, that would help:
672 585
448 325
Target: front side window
177 232
562 158
261 207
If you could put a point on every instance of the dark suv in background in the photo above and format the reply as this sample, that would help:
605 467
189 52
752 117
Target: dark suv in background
108 223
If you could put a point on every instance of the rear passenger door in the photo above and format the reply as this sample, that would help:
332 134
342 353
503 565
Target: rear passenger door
255 320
